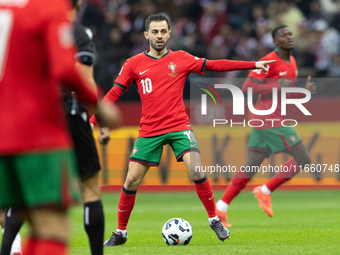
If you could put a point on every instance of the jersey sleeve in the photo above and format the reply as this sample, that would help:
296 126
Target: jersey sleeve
125 76
59 48
84 45
194 64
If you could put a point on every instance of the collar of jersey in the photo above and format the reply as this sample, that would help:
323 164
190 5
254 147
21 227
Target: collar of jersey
166 53
288 61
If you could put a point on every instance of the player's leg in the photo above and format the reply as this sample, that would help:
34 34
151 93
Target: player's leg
282 139
204 191
147 151
238 183
88 169
126 202
11 239
185 147
47 199
94 222
49 231
292 167
257 152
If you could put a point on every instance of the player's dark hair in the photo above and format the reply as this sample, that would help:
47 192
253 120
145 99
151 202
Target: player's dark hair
156 17
274 31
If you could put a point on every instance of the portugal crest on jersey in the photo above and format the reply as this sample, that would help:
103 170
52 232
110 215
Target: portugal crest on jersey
172 67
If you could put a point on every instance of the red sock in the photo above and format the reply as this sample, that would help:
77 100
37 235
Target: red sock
205 193
238 182
50 247
29 248
282 177
125 206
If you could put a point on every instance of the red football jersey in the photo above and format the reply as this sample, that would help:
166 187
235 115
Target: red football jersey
36 51
277 70
160 84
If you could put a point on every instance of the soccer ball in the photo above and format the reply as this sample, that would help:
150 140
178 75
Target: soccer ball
177 231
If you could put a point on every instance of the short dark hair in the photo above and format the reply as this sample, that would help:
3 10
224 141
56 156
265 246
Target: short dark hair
274 31
156 17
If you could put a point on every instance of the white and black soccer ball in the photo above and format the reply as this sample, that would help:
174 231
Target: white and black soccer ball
177 231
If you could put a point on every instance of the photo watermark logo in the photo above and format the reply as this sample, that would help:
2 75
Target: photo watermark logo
239 102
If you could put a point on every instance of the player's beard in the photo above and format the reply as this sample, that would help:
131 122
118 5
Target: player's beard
156 47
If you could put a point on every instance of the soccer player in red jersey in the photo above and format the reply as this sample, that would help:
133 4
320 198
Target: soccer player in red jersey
36 159
267 139
160 75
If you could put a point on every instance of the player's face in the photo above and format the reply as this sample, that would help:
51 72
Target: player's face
284 39
158 35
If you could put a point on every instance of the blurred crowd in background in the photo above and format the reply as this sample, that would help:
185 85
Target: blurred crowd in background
221 29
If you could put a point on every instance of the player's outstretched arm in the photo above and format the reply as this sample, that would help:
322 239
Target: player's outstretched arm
264 65
224 65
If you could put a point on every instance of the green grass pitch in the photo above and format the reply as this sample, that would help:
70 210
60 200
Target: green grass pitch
304 222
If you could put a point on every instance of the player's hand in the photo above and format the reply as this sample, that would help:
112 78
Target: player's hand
108 115
92 126
284 83
310 85
264 65
104 135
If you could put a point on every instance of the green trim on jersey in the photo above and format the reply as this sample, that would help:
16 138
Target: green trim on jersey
135 84
120 85
254 80
148 150
204 66
148 55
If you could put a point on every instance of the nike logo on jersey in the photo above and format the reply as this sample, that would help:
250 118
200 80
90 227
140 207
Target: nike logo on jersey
140 73
282 73
211 197
121 210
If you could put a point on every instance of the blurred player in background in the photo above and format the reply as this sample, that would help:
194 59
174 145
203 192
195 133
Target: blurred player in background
86 152
267 139
37 165
160 76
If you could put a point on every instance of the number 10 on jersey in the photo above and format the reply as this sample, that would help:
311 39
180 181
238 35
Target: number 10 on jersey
147 85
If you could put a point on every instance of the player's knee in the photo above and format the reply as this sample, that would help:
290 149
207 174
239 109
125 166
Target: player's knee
195 173
132 182
51 224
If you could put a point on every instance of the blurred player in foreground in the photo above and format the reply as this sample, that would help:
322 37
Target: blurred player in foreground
160 75
37 165
85 149
267 139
